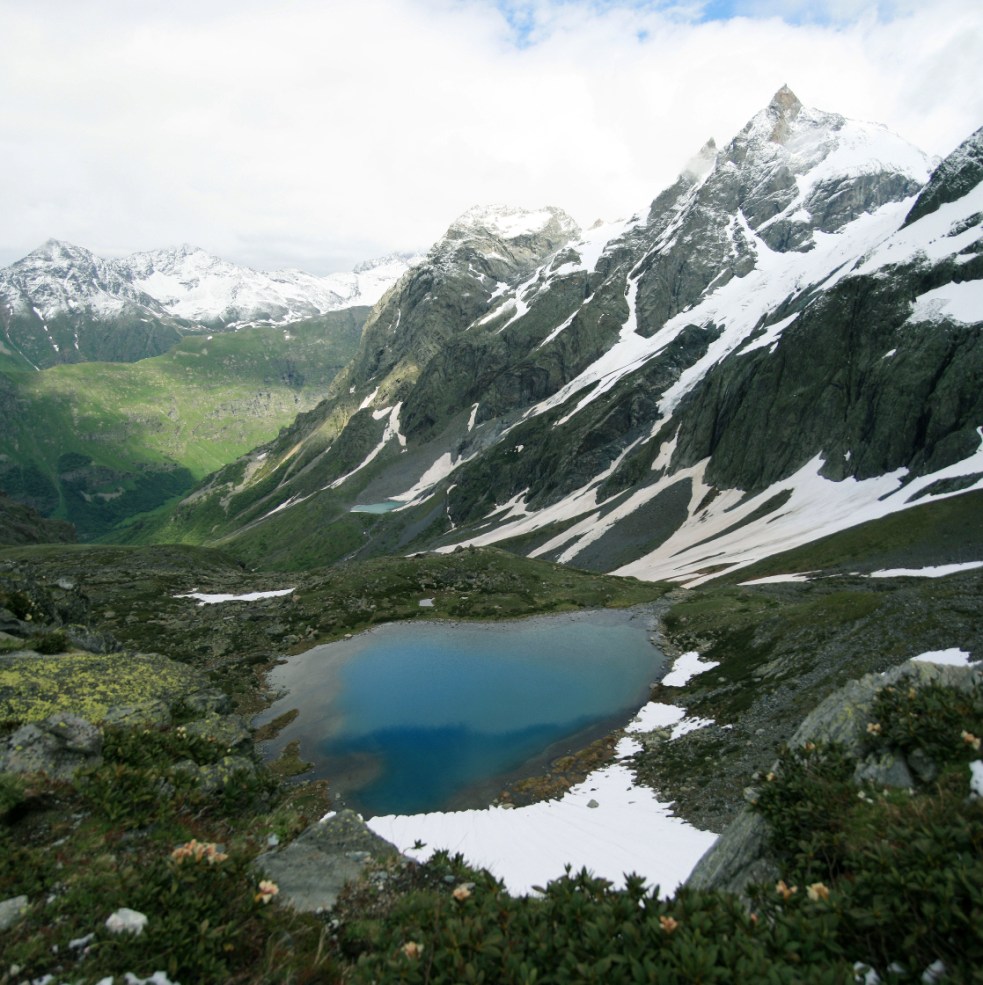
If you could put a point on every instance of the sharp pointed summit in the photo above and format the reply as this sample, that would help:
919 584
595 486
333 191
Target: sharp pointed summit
784 108
785 102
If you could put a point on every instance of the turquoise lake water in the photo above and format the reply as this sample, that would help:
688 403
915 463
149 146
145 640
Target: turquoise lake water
386 507
414 717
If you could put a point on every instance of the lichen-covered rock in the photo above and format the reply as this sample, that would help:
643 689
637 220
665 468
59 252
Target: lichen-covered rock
35 687
153 712
312 869
228 732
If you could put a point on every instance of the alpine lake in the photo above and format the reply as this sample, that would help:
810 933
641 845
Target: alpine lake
423 716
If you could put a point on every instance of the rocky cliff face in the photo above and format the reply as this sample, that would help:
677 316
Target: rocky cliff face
20 524
783 344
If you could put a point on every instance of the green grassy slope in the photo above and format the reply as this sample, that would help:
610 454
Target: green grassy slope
98 442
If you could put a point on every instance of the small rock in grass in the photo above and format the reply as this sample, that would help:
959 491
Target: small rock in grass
125 920
11 910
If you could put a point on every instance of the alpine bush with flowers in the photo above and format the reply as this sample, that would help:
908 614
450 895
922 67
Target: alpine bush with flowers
898 872
129 834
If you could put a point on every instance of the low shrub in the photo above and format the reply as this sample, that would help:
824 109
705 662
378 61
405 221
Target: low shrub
49 643
581 930
896 873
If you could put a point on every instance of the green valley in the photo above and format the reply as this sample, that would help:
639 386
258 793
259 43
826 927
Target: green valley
97 443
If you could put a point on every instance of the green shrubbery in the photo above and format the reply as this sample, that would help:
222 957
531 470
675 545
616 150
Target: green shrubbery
49 643
581 930
899 871
147 774
136 832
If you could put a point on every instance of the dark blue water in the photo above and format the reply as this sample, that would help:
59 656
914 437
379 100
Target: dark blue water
427 716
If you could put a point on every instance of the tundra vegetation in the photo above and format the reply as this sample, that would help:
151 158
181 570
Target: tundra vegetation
170 817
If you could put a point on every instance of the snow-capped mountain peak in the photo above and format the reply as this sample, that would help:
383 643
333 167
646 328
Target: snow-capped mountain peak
702 162
510 222
200 287
183 282
60 277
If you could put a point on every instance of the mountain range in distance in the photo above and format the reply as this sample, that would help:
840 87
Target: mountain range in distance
784 345
63 304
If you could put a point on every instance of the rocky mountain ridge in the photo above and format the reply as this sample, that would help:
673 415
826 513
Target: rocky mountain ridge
782 346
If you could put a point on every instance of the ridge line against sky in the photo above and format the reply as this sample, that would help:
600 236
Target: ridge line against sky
314 135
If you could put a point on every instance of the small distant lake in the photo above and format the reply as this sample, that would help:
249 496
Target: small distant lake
414 717
385 507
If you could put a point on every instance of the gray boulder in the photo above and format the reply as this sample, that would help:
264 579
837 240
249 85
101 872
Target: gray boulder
58 746
12 911
312 869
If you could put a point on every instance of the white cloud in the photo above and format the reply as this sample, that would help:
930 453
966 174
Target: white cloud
314 135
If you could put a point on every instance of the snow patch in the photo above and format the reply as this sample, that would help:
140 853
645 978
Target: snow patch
688 725
391 431
778 579
656 714
936 571
629 830
960 302
205 598
686 667
953 657
438 471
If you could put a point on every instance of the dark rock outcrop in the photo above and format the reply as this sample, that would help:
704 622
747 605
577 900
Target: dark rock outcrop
741 856
21 524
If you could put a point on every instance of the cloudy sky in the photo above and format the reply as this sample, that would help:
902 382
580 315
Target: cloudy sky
317 133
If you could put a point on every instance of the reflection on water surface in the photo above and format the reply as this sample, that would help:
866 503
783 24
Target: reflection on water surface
413 717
